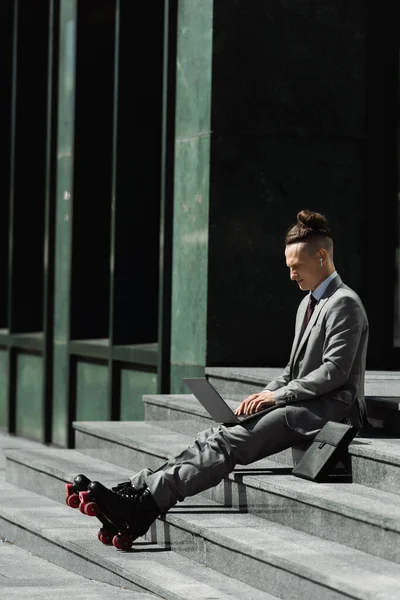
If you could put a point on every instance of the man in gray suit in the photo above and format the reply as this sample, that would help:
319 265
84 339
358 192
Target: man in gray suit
323 381
327 360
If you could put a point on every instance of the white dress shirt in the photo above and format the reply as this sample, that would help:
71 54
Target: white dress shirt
319 292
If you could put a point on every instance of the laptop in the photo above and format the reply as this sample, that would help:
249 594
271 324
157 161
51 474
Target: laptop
215 405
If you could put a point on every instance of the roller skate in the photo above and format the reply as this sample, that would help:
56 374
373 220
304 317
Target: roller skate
80 484
128 510
74 500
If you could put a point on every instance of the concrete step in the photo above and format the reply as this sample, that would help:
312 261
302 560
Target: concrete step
139 442
147 445
349 514
236 381
382 390
45 471
67 538
181 413
8 441
276 559
375 460
125 443
26 576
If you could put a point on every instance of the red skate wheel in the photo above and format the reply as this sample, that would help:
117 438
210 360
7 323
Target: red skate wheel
91 509
87 507
105 537
73 501
122 542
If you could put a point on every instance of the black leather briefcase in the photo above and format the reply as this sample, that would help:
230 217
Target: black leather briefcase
327 459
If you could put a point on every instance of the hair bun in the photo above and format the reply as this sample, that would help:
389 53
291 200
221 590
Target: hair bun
313 220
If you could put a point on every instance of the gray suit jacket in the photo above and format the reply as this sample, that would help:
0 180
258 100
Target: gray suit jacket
328 364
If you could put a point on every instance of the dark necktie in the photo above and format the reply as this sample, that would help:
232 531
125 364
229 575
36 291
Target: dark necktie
311 304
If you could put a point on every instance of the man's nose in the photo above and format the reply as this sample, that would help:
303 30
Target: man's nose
293 275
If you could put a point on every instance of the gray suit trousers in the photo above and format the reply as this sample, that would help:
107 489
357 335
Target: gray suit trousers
217 450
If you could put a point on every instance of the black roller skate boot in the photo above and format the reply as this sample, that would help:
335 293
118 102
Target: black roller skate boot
130 511
76 497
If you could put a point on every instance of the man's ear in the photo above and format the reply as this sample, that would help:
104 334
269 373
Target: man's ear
322 253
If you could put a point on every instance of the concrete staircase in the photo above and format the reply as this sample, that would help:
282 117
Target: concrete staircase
260 534
24 576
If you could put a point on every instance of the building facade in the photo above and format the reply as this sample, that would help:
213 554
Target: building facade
154 154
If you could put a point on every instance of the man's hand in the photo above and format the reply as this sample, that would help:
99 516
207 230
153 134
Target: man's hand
254 403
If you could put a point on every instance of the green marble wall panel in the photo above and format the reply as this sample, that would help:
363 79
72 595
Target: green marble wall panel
193 76
29 395
178 372
190 252
65 144
92 402
4 361
65 167
133 385
60 417
191 185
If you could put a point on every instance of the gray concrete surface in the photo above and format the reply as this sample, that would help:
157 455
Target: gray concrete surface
24 575
257 529
218 537
351 513
66 538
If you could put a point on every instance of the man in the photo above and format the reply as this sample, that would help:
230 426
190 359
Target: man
323 381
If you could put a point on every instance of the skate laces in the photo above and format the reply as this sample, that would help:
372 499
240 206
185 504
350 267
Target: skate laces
125 489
